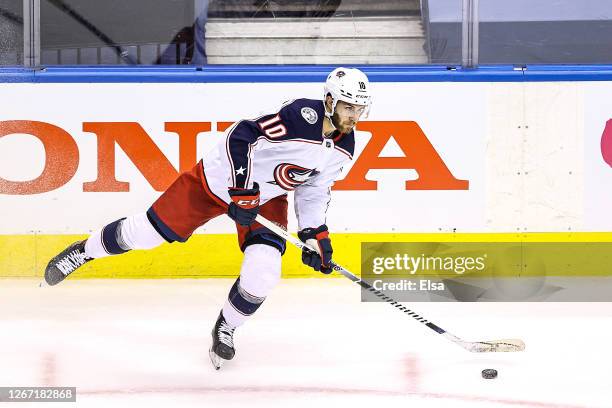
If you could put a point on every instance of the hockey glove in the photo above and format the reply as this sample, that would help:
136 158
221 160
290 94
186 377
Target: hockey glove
317 238
245 204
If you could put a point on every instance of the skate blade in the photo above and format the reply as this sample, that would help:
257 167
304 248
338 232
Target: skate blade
216 361
44 284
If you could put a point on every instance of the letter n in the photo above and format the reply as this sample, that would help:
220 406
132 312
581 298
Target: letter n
142 151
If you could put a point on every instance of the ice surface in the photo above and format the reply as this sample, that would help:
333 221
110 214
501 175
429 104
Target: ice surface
144 343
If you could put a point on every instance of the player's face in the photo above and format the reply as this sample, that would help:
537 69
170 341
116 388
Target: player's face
347 115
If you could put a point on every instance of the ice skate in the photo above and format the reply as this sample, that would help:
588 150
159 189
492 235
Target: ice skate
222 348
69 260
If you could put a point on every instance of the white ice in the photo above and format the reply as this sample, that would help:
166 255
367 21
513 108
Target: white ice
144 343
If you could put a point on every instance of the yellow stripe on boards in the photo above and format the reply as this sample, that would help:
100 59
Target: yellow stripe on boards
218 255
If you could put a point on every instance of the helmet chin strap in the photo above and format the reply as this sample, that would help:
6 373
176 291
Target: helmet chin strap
330 116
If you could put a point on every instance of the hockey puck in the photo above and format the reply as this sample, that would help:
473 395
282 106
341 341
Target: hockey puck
489 373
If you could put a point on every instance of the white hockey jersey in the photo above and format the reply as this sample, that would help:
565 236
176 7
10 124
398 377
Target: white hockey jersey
282 152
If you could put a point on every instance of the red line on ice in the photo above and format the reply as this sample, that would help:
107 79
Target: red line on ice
322 390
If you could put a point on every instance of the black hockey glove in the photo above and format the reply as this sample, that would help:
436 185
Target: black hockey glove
317 238
245 204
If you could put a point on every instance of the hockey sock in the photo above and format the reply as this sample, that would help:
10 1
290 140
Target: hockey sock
118 237
259 274
240 305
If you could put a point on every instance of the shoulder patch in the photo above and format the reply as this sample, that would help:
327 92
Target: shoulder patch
310 115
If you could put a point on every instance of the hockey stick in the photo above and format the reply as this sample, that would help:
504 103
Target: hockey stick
503 345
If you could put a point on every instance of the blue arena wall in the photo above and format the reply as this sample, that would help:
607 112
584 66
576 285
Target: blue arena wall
275 73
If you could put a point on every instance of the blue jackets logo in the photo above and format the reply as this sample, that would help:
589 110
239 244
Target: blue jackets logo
289 176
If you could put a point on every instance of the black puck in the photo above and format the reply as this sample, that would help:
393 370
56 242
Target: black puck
489 373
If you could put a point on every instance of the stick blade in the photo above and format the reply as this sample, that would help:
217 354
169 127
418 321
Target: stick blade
496 346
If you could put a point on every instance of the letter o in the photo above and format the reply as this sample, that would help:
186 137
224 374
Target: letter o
61 157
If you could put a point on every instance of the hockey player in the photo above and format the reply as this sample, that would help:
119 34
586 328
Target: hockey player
301 148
